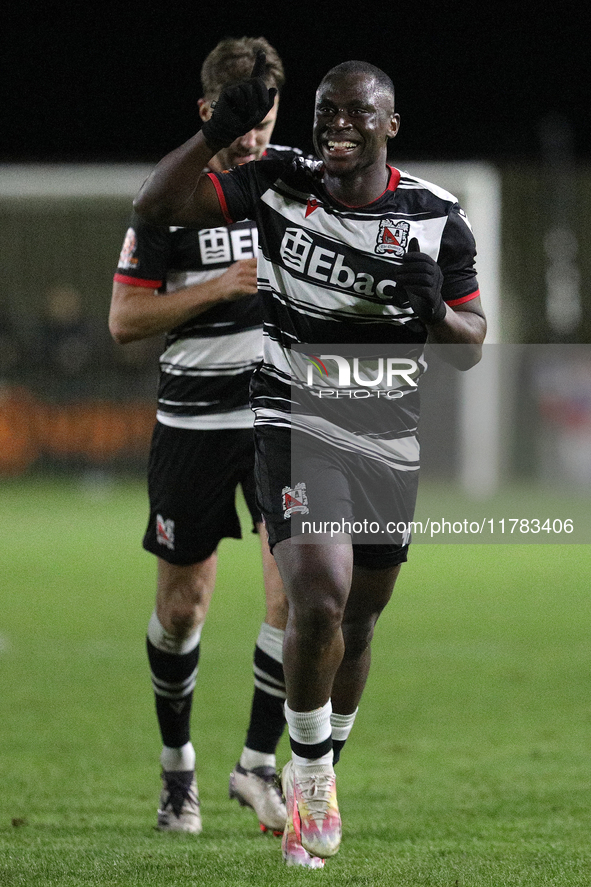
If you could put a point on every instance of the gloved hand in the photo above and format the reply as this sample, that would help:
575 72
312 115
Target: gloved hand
422 279
239 108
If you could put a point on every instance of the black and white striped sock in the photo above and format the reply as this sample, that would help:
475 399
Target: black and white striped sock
310 736
173 666
341 726
267 719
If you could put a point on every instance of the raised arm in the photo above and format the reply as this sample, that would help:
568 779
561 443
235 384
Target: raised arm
177 192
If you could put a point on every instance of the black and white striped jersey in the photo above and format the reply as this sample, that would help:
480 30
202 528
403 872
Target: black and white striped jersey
207 363
327 273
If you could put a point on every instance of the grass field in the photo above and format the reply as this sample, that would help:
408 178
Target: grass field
470 762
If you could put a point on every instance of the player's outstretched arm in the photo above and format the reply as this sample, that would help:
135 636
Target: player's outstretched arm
177 192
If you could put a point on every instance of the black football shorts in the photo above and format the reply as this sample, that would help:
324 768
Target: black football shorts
306 487
192 481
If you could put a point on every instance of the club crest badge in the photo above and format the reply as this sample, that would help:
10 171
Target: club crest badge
392 237
294 500
165 532
128 259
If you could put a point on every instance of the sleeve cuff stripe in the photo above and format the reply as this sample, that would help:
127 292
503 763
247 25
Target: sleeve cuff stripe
137 281
461 301
221 198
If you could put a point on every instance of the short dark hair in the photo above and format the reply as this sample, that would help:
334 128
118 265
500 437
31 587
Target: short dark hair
357 67
232 60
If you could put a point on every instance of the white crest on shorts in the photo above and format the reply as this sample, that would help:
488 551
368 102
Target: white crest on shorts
165 531
294 500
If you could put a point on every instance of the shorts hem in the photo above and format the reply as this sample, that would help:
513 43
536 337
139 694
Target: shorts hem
177 560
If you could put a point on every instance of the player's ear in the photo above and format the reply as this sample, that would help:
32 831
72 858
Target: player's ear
394 126
205 110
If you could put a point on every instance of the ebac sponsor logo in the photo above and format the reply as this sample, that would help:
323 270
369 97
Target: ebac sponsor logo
222 245
299 252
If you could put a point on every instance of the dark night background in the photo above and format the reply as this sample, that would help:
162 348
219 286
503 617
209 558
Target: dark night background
119 82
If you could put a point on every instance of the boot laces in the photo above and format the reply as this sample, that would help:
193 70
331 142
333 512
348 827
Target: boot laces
316 792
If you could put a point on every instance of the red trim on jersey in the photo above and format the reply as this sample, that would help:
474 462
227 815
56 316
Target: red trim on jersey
393 181
463 299
136 281
221 198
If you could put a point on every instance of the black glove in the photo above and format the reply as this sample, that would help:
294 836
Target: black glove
240 108
422 279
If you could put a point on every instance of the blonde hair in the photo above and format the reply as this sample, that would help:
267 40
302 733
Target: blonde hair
232 60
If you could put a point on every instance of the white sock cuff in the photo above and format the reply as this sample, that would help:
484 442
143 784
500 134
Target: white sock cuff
309 727
270 641
342 724
167 642
249 759
182 758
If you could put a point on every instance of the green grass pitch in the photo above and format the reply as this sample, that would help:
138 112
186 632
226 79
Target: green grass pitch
470 762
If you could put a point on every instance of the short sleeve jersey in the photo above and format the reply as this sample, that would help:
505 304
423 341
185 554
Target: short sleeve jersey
208 361
327 273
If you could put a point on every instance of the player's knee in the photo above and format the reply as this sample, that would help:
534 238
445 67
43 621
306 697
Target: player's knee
357 637
183 606
318 616
184 620
277 611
